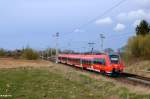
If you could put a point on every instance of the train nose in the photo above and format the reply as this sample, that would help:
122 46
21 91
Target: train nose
117 67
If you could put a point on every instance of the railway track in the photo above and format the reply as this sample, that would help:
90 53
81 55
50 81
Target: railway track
127 78
124 77
136 79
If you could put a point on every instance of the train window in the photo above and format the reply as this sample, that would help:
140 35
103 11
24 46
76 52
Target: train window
99 61
85 61
114 59
88 62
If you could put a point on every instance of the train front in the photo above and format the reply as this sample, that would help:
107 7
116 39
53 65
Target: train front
116 64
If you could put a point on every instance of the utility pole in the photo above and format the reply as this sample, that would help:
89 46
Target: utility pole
47 53
69 47
42 55
57 52
84 49
51 52
91 44
102 41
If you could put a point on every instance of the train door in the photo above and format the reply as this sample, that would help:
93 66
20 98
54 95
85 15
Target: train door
99 64
86 63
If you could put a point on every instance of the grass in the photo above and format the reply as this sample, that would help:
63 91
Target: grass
139 67
37 83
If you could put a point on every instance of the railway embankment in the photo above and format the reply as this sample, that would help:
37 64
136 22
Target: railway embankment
141 68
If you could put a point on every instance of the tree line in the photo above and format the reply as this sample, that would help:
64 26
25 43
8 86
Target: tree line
25 53
138 47
32 54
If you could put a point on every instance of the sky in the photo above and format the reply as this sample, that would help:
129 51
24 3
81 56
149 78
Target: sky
34 23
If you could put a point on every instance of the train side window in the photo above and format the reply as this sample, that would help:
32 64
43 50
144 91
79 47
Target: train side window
85 61
89 62
99 61
82 61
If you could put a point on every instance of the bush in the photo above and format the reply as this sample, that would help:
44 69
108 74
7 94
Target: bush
30 54
139 47
16 53
2 52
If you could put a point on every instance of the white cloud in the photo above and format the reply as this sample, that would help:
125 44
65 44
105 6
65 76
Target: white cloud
78 30
119 27
138 14
134 15
104 21
137 22
143 3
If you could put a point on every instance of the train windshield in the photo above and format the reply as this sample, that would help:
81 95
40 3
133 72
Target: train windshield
114 59
99 61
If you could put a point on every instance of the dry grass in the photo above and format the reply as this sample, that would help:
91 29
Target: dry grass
72 74
69 72
139 68
15 63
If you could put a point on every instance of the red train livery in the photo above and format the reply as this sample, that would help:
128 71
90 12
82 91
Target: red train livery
105 63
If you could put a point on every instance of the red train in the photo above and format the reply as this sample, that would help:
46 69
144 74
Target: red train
104 63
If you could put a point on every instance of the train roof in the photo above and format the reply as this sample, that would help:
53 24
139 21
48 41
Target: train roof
82 56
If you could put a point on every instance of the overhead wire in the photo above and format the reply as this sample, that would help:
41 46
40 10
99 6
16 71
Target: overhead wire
101 15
